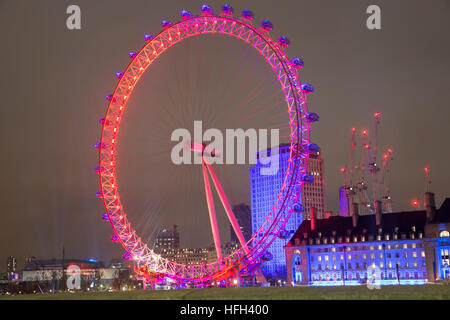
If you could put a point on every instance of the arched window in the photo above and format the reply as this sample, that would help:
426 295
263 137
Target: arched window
444 233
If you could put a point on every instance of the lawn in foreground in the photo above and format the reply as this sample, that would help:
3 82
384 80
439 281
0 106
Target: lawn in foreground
260 293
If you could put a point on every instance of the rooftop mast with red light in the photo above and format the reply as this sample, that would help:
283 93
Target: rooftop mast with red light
362 186
386 180
373 168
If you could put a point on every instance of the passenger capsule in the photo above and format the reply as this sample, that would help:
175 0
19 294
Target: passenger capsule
132 54
98 169
312 117
105 217
307 88
166 24
115 238
283 234
119 75
283 42
103 122
248 15
297 207
267 256
227 9
98 194
108 97
206 9
297 63
148 37
307 178
267 25
312 147
99 145
127 256
185 14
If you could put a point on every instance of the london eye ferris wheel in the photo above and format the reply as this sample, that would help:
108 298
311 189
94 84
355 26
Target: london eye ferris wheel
252 252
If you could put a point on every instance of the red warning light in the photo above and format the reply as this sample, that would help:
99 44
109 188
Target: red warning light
415 203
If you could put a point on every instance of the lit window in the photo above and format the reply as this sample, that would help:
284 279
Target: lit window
444 233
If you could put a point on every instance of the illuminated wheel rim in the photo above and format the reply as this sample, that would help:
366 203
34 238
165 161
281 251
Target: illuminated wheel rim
147 261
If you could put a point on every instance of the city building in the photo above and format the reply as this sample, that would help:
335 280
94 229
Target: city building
264 192
47 275
167 241
396 248
189 256
313 194
11 266
198 256
227 249
344 199
243 215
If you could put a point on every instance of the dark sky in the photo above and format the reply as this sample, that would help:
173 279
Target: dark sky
54 82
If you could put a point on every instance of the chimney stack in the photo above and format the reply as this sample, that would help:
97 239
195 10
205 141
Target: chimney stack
313 217
355 214
378 212
430 206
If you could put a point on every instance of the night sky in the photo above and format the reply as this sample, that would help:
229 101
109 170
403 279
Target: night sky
54 82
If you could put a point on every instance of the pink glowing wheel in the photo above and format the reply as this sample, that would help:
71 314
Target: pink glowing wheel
254 251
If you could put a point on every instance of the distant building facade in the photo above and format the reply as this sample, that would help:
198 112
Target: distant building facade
397 248
264 192
313 194
53 275
11 265
167 241
243 216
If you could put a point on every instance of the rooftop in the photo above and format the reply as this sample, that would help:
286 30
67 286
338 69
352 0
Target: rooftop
399 222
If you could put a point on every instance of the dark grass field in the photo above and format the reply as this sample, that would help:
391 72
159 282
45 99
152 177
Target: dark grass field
426 292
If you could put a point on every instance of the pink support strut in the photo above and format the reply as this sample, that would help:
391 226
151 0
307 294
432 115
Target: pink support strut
212 212
226 205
